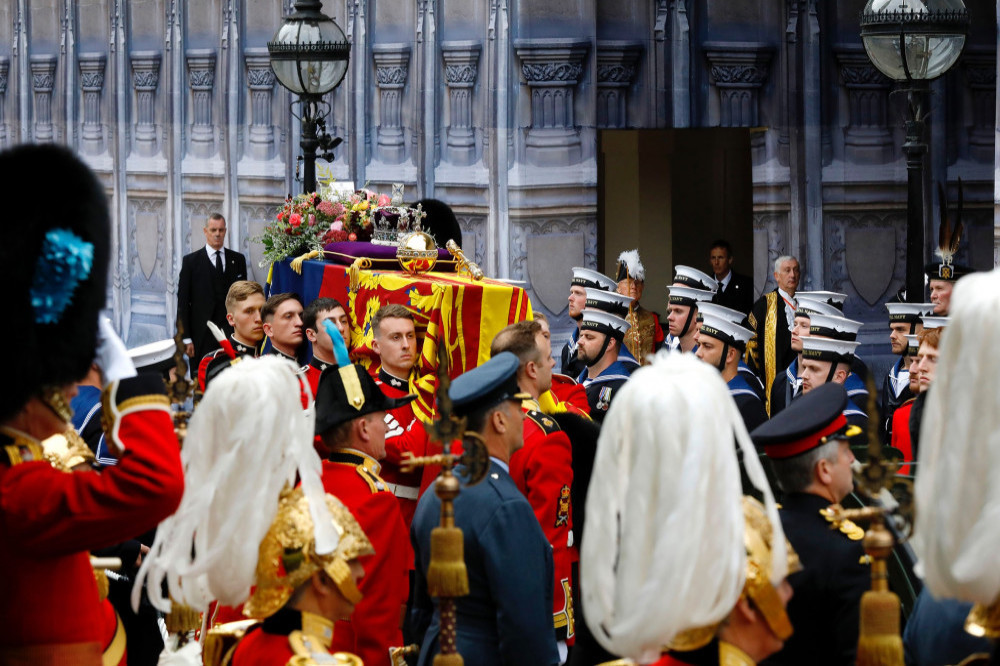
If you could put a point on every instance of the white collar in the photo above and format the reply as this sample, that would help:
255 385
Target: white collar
726 280
785 295
211 253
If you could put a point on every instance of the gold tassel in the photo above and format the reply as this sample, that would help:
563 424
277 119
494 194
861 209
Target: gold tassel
297 261
446 574
448 660
181 619
879 640
354 272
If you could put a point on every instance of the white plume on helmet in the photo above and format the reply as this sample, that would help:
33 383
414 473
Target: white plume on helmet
248 438
633 264
664 547
957 492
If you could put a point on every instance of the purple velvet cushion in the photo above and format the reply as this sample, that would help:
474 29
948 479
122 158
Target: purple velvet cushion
348 251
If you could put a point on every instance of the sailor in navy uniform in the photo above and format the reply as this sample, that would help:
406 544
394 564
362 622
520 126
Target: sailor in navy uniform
808 444
583 279
841 328
904 319
506 618
735 317
828 361
682 316
602 334
721 344
786 385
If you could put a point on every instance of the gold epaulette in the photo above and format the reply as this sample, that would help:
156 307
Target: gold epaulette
309 651
547 424
369 472
221 641
846 527
22 451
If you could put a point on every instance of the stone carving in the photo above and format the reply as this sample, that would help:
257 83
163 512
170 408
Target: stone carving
461 65
92 82
147 248
261 80
867 138
522 228
43 69
4 66
770 231
145 78
201 78
866 258
253 219
474 230
392 63
548 257
617 63
737 71
552 69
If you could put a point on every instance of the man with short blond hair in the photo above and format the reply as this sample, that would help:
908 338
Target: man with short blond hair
243 305
205 278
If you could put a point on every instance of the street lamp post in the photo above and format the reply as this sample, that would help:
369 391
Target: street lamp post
914 42
309 55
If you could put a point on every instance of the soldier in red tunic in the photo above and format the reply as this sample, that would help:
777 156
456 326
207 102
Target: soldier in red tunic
50 519
350 417
313 317
395 341
543 468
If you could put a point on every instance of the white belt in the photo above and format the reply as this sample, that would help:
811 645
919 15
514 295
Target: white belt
404 492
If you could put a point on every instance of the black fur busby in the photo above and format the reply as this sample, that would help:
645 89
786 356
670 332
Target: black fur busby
55 252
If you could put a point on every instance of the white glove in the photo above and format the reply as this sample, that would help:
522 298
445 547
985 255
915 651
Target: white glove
189 655
112 356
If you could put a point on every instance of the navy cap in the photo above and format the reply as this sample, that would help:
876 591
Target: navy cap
946 270
485 386
811 420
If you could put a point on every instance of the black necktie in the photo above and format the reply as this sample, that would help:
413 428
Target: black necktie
720 286
218 261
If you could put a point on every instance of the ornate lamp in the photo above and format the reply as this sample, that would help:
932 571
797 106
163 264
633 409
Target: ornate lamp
914 42
309 56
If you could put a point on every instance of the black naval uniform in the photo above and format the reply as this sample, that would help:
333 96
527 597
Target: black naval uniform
570 363
825 607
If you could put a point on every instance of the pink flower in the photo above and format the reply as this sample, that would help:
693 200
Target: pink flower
338 225
384 200
312 220
295 219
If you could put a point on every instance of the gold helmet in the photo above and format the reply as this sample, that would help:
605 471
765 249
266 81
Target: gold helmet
758 537
288 554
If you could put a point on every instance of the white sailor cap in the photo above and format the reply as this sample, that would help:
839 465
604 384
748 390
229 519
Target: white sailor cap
808 306
838 328
721 311
151 355
934 322
725 330
692 277
682 295
585 277
828 349
834 298
604 322
909 313
912 344
608 301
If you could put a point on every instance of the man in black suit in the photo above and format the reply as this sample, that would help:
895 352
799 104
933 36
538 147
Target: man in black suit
734 290
206 276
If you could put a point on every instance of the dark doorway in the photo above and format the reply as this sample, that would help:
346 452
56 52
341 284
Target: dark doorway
670 193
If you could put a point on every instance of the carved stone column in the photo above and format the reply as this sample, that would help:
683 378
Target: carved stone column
392 62
617 63
867 138
981 77
4 68
145 78
260 78
461 62
201 78
552 68
92 84
738 71
43 79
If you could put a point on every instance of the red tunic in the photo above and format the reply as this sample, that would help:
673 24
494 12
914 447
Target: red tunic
901 434
570 394
280 641
404 433
49 520
375 625
543 472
